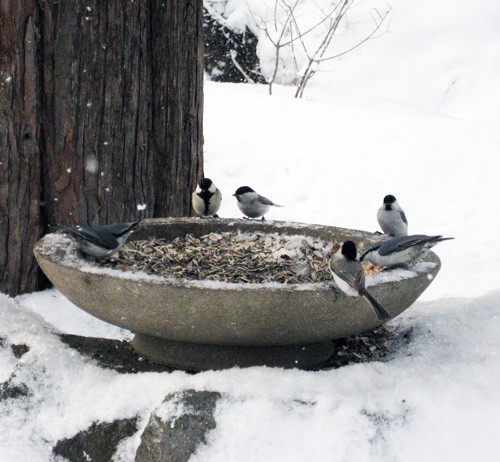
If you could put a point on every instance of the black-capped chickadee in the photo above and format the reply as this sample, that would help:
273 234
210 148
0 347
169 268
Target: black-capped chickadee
251 204
400 250
206 199
392 218
349 276
100 242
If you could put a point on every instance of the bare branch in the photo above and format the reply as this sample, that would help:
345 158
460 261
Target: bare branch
370 36
233 55
320 50
285 31
312 28
317 57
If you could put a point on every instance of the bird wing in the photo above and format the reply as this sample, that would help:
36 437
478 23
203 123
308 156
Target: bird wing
87 233
372 248
350 272
265 200
400 243
359 278
403 217
117 229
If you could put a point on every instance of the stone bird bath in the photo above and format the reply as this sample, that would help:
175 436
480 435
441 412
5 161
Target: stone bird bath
200 325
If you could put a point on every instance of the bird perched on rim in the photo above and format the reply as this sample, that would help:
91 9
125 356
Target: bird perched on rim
251 204
100 241
206 199
391 217
400 250
349 276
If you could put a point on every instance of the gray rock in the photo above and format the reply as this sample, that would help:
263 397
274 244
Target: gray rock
98 443
174 439
19 350
9 390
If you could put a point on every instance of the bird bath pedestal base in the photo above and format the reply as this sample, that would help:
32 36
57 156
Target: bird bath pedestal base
197 357
200 325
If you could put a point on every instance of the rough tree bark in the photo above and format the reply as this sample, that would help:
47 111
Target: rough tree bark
100 112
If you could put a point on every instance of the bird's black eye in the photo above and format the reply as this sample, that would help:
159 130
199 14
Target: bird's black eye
389 199
205 183
243 190
349 250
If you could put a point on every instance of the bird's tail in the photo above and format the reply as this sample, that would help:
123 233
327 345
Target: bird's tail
62 229
441 238
379 310
431 241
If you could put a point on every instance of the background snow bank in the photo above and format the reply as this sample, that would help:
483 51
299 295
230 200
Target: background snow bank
444 56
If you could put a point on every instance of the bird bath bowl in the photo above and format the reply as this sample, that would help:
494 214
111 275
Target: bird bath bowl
201 325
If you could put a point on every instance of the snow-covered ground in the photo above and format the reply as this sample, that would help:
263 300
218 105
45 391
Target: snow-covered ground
411 114
437 399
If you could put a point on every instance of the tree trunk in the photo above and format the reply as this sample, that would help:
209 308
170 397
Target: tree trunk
100 115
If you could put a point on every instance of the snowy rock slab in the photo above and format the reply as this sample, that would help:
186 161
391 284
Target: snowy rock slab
178 427
98 443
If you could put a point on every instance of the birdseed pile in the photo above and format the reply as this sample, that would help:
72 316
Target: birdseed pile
231 257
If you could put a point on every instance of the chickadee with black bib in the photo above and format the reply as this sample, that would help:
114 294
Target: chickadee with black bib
206 199
251 204
100 242
349 276
391 217
400 250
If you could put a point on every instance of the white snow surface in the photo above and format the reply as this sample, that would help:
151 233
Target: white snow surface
413 113
436 399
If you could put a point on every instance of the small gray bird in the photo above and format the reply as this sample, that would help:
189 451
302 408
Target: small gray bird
251 204
100 242
392 218
206 199
400 250
349 276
